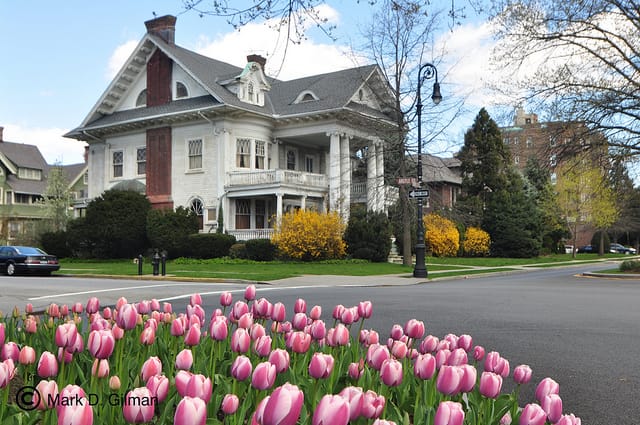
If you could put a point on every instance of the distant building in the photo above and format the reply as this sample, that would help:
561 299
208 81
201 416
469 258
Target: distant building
23 181
443 178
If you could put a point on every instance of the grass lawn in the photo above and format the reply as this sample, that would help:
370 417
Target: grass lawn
266 271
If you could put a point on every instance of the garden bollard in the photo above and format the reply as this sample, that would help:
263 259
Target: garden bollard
163 262
140 261
155 263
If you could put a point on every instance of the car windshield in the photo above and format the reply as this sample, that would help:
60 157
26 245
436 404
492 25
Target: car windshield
27 250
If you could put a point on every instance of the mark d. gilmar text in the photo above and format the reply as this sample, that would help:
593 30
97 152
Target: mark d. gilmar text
93 399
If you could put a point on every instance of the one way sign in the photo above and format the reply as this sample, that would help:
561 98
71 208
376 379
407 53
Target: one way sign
423 193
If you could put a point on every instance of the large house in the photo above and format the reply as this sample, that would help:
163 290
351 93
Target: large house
23 183
233 144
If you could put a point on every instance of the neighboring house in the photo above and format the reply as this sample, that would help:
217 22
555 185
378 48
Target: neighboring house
78 177
23 181
443 178
232 142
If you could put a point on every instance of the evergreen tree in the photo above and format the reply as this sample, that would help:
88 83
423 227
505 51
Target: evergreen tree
368 235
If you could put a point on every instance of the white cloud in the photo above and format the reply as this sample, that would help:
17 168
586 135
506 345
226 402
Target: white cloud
119 57
54 147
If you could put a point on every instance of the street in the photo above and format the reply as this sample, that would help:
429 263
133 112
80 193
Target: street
582 332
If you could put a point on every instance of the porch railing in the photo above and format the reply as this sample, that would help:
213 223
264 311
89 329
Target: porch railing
249 234
255 178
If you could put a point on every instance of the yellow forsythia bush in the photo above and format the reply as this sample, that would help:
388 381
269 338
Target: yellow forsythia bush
309 235
476 242
441 236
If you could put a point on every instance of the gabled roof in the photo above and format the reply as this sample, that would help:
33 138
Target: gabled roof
436 169
74 172
21 155
334 90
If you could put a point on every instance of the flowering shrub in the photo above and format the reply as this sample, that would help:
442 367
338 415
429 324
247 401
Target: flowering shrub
441 236
476 242
249 362
309 235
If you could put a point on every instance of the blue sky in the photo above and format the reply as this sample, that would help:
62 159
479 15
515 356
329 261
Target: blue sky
59 56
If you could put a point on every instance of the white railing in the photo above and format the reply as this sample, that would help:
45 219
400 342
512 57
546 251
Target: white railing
256 178
249 234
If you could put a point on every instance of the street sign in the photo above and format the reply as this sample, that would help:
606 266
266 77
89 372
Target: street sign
408 180
422 193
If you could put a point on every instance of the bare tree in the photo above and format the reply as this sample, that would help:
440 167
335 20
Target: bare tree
577 58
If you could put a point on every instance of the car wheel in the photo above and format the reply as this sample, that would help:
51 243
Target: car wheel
11 269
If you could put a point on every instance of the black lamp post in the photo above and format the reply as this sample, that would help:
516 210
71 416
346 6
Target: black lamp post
427 71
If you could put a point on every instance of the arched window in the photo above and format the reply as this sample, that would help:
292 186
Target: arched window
142 98
250 92
198 208
181 90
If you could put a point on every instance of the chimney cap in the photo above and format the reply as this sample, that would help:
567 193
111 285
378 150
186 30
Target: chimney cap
258 59
163 26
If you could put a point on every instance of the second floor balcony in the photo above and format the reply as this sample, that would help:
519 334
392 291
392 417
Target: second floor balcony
269 178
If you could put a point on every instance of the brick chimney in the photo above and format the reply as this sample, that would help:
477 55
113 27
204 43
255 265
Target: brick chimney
86 154
163 27
258 59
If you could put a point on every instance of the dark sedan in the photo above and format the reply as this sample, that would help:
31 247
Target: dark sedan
25 259
588 249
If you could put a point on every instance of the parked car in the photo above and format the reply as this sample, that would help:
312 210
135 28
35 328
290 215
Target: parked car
587 249
621 249
26 259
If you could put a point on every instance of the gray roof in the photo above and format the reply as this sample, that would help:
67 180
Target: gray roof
436 169
334 90
21 155
72 171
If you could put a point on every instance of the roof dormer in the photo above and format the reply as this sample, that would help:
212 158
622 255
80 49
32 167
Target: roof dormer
251 85
306 96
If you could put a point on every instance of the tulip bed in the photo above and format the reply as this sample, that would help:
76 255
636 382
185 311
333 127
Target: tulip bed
248 362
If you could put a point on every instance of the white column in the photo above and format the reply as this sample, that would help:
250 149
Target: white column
345 177
303 202
334 172
382 193
372 181
278 206
275 160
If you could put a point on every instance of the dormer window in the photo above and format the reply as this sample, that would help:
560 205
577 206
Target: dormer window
142 98
250 92
181 90
306 96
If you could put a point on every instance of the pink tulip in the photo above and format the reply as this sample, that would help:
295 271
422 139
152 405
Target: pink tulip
240 341
490 384
245 321
100 368
341 336
219 328
533 414
114 383
349 315
365 309
478 353
315 313
331 410
138 406
355 398
299 321
318 330
184 359
79 412
262 308
383 422
506 419
64 356
372 405
522 374
449 379
48 391
241 368
230 404
191 411
283 406
429 344
66 334
279 312
151 367
250 293
53 310
391 372
424 366
226 299
93 305
7 372
355 371
194 385
442 356
570 419
376 355
449 413
258 415
30 325
546 387
414 329
399 350
280 359
300 306
469 376
262 346
158 385
321 365
101 343
396 332
465 342
239 308
337 311
299 342
552 405
264 376
47 365
27 355
127 317
192 336
457 357
148 336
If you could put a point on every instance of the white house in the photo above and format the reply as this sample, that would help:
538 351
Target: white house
192 131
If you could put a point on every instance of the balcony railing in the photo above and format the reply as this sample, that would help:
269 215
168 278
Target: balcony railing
249 234
269 177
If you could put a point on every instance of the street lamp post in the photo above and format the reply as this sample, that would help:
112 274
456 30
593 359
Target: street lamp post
427 71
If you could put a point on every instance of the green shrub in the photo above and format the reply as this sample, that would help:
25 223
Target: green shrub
260 250
238 251
368 235
632 266
169 230
56 243
210 245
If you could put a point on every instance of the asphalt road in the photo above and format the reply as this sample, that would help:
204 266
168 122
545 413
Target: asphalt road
582 332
